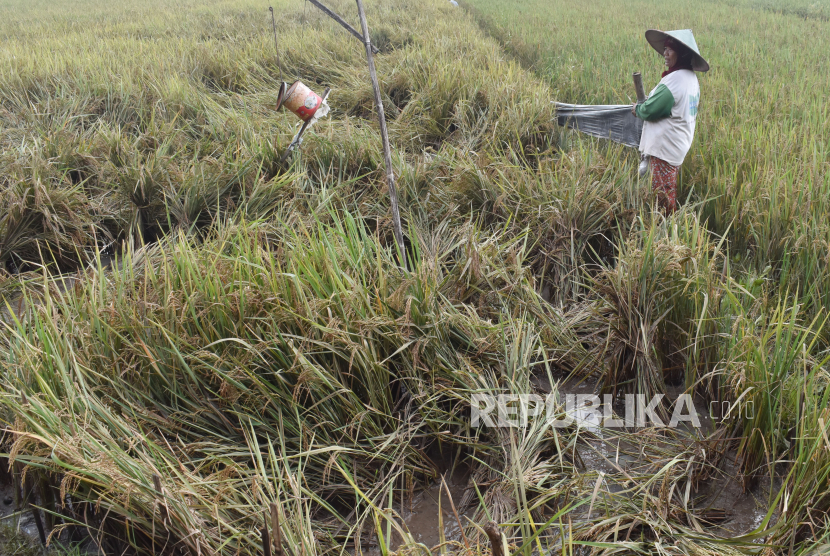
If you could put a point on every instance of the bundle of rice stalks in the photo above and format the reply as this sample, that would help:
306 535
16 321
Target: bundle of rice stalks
196 365
655 279
771 364
42 222
804 499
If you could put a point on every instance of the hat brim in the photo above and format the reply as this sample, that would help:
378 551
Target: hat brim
658 38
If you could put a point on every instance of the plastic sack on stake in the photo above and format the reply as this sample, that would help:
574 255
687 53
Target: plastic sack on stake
606 121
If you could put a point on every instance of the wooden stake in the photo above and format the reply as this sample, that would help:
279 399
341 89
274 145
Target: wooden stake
47 499
160 500
35 490
494 535
275 525
384 135
17 482
266 538
341 21
276 45
638 87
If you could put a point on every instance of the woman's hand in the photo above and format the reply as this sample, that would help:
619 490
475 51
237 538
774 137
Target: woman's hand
634 109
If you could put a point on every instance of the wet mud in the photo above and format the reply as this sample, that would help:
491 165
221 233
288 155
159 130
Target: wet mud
735 511
431 517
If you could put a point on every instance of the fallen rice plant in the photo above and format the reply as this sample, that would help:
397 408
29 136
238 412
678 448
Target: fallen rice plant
253 342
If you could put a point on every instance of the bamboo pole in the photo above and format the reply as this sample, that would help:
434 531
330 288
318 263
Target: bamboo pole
387 154
341 21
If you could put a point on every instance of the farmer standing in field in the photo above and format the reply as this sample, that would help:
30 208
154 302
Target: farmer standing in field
670 111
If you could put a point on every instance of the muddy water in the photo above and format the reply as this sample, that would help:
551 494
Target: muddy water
722 494
744 511
428 510
22 521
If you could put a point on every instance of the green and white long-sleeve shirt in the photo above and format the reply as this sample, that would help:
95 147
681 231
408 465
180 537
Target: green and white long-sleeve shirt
670 113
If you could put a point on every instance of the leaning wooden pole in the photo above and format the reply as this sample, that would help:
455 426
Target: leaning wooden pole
387 153
325 9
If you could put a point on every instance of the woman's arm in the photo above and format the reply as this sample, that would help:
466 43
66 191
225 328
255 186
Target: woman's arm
657 106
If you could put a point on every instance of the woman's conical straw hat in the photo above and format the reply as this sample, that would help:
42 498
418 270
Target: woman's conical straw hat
656 39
